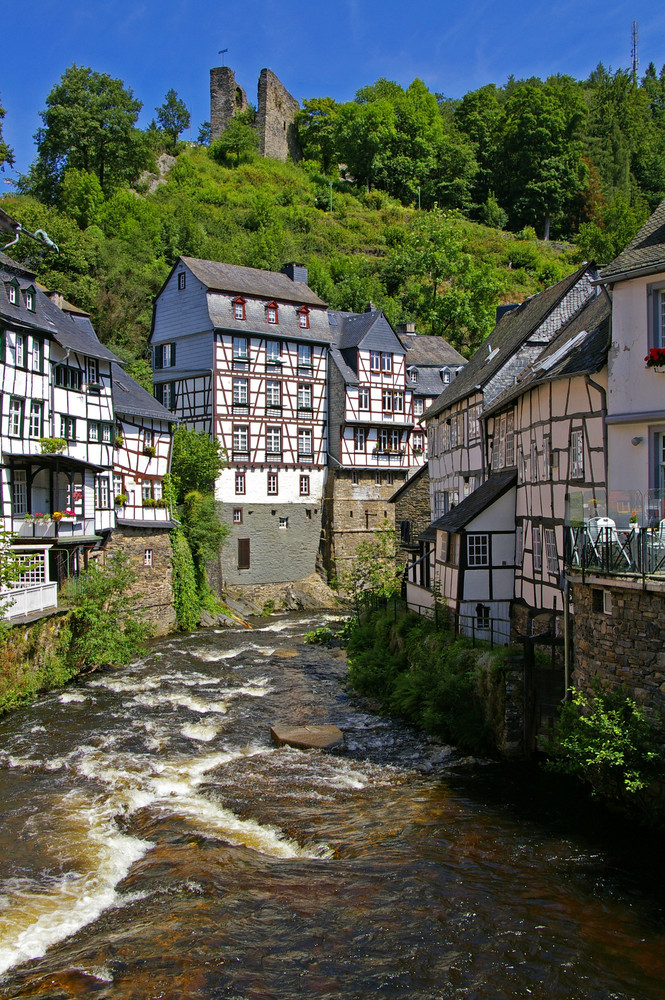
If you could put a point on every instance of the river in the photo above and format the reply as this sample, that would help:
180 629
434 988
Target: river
155 844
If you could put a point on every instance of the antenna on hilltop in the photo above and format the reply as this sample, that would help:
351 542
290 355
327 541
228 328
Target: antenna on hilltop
635 60
222 51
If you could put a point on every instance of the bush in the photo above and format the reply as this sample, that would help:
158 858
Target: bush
185 591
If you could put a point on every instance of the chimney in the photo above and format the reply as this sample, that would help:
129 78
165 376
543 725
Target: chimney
296 272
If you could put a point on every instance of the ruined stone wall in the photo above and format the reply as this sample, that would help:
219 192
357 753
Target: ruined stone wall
227 99
153 582
413 506
623 645
275 119
354 511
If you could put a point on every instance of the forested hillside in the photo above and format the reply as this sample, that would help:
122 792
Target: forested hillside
434 214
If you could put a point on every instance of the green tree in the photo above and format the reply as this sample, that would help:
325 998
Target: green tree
89 124
173 116
364 134
205 131
196 463
81 196
376 568
317 130
6 154
238 139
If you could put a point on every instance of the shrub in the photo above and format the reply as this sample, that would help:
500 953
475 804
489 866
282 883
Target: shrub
185 592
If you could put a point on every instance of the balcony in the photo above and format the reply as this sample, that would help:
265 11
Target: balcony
139 512
618 534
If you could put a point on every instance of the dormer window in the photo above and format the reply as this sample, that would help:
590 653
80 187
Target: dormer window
445 375
182 281
12 292
271 312
239 308
30 299
413 375
303 318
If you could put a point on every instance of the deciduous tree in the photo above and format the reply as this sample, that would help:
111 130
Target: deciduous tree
6 154
173 116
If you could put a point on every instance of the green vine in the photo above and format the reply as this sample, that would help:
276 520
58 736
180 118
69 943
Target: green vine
185 591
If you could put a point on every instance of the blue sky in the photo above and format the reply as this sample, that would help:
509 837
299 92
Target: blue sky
316 49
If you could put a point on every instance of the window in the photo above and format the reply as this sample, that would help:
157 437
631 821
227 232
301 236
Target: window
482 616
405 532
519 545
577 455
35 569
418 441
478 550
240 483
166 395
304 443
452 430
547 457
241 439
474 422
389 478
387 401
383 439
37 355
243 553
355 478
304 356
283 522
35 426
67 428
271 312
418 407
237 515
304 397
182 281
413 376
93 431
273 352
165 356
273 394
146 490
16 417
240 349
386 363
537 549
274 440
445 375
240 396
12 292
398 402
534 462
550 551
68 378
272 484
374 361
102 493
359 439
239 308
656 317
92 370
377 479
303 318
395 440
19 492
147 553
363 398
30 299
304 486
510 437
15 349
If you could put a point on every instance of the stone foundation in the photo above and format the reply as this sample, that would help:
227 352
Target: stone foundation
153 585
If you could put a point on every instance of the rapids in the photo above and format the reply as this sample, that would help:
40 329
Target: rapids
155 844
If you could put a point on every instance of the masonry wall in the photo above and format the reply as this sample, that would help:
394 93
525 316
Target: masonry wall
624 647
153 586
413 505
227 99
275 119
276 555
353 513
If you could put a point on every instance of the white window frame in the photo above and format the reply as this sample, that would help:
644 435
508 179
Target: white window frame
359 438
551 555
304 486
305 441
273 394
305 396
241 438
273 484
35 425
240 391
240 484
537 548
19 492
363 397
305 356
386 363
273 440
16 414
576 454
478 550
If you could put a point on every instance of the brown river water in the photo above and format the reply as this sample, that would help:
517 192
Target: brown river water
155 844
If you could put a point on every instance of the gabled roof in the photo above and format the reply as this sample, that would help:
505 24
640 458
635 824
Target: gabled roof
645 254
368 329
422 349
132 399
422 471
473 505
346 372
430 383
580 348
253 281
513 329
73 332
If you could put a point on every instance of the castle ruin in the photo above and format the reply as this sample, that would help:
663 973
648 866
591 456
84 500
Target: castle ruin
275 116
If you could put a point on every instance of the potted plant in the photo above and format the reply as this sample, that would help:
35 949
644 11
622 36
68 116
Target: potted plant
121 500
118 441
56 516
149 450
53 445
656 358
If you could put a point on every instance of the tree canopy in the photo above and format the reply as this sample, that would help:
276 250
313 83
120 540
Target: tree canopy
89 124
6 154
173 116
197 461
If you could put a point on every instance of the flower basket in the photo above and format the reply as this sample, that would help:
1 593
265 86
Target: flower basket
121 500
149 450
656 359
57 515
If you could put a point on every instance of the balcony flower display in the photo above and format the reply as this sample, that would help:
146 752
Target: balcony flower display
28 517
77 495
656 358
40 516
56 515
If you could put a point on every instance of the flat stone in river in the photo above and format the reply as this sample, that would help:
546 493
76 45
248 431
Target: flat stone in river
307 737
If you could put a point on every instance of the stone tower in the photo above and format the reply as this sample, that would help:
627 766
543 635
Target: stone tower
275 116
226 99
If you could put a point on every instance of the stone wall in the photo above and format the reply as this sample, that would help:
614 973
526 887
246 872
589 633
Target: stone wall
153 581
623 644
413 505
353 512
275 116
227 99
276 555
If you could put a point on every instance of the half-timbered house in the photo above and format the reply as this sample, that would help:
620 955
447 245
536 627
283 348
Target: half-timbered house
57 429
242 354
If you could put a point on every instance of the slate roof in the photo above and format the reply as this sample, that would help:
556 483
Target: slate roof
512 330
253 281
132 399
351 329
429 382
347 373
422 349
70 331
422 471
582 357
473 505
645 254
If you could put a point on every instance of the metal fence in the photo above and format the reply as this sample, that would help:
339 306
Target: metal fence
614 551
